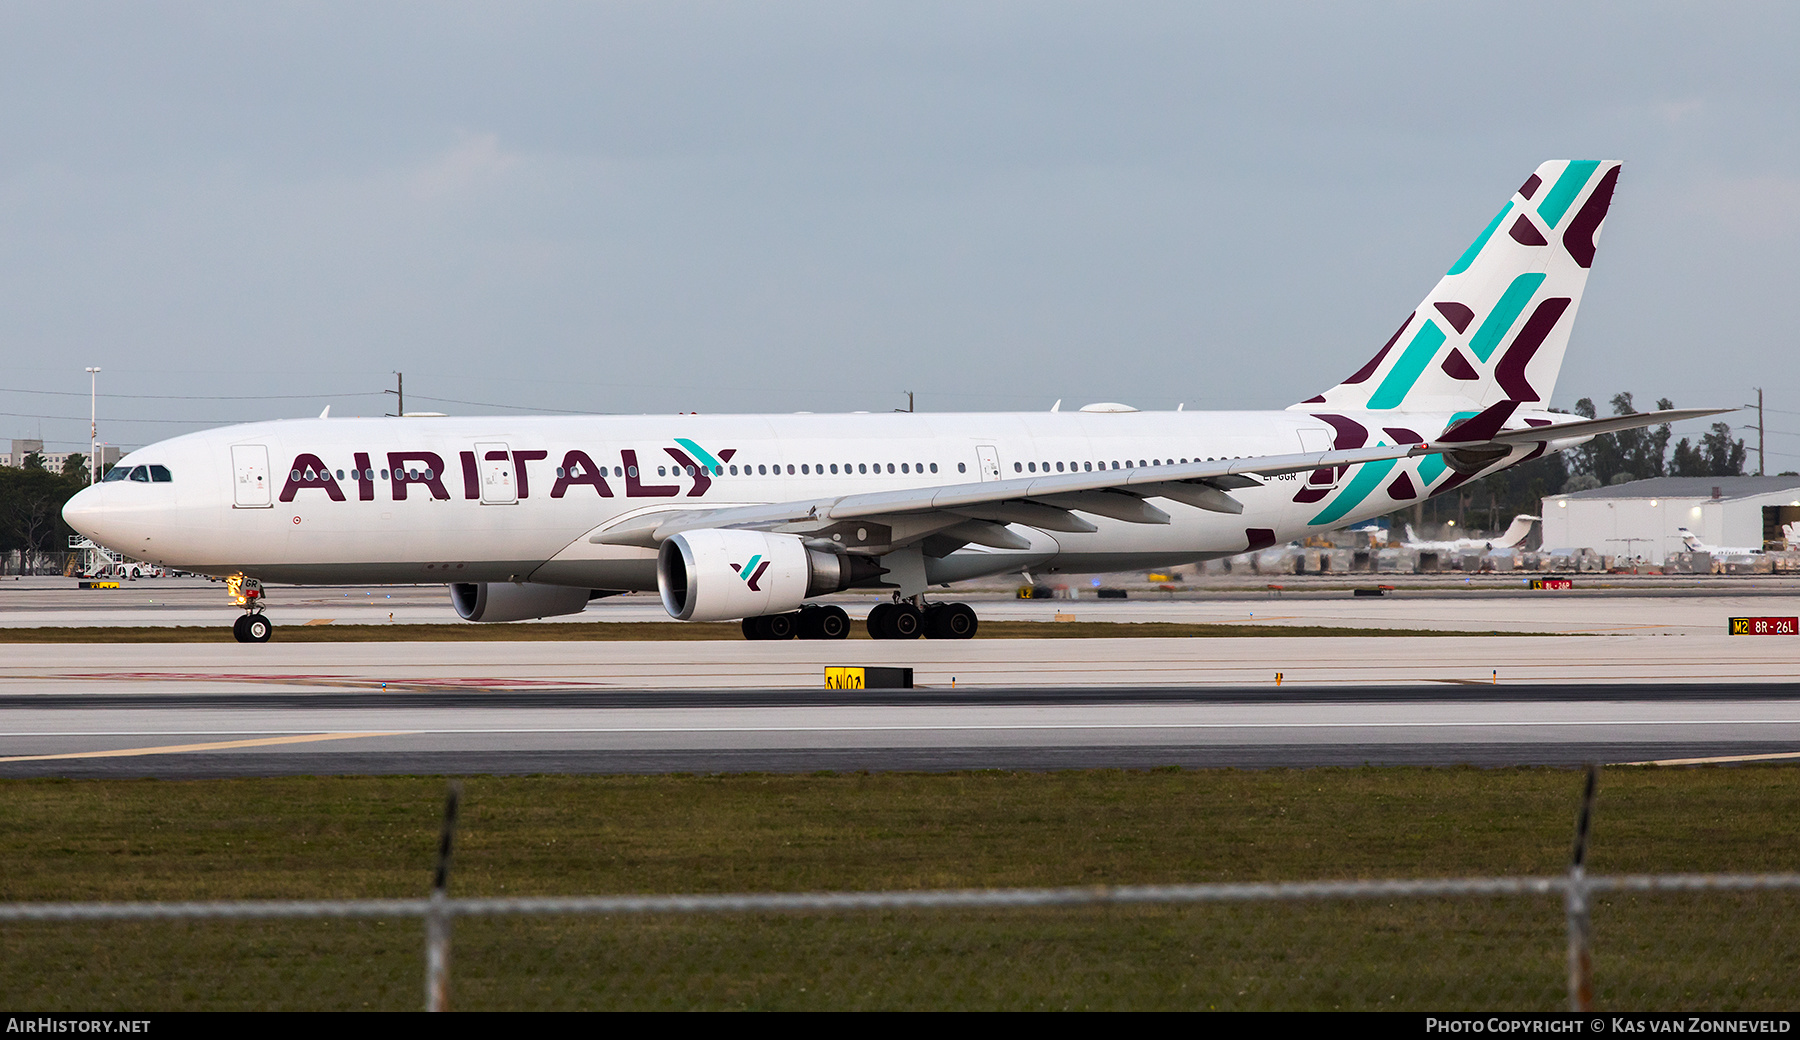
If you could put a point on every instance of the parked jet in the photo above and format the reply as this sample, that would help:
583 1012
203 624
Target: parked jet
1694 544
749 517
1514 536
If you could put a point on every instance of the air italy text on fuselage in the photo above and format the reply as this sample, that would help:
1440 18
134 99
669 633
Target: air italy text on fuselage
425 469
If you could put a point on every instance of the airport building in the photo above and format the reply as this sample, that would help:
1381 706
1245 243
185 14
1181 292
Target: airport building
53 460
1642 518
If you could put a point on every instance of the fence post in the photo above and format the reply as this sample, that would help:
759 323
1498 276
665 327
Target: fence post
437 917
1581 957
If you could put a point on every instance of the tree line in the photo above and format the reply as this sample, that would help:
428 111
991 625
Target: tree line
31 503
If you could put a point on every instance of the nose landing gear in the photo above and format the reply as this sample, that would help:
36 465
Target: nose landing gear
253 626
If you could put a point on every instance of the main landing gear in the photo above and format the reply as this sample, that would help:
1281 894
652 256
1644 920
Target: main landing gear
807 623
247 593
905 620
901 620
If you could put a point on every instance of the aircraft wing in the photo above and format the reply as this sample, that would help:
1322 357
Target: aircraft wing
1044 500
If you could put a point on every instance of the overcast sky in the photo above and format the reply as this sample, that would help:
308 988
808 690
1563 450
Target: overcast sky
659 207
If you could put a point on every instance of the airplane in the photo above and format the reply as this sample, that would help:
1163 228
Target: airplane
749 517
1694 544
1514 536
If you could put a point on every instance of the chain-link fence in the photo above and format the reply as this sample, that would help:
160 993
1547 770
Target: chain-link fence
1674 942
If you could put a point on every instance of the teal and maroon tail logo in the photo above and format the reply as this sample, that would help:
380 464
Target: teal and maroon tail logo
752 572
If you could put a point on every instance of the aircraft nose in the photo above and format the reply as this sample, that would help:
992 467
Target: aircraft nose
84 511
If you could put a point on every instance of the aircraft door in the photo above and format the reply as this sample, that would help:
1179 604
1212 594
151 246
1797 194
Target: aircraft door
250 477
1318 440
499 487
990 462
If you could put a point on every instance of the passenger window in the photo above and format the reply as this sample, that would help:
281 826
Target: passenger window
934 467
890 467
804 470
1059 468
903 468
862 467
734 471
1017 467
834 467
160 474
963 467
790 469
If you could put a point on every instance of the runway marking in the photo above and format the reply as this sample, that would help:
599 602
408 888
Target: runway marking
479 683
172 749
897 728
1715 761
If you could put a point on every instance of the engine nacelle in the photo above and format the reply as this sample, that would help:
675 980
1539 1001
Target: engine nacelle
720 575
510 601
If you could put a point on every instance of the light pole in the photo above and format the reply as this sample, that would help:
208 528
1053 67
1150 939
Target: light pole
93 424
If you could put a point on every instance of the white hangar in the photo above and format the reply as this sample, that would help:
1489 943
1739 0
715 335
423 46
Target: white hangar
1642 518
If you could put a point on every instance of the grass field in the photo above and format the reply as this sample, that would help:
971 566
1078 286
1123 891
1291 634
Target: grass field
366 837
600 631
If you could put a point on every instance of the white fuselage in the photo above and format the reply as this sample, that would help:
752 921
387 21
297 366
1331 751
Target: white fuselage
517 499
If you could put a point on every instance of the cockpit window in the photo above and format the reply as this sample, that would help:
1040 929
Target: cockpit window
160 474
141 474
116 473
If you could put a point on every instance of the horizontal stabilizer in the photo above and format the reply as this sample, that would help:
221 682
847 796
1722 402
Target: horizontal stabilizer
1595 427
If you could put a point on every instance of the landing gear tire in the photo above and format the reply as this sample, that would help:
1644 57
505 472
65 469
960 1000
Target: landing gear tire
770 626
950 621
895 621
822 623
252 628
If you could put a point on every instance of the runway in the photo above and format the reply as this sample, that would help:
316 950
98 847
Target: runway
1612 679
382 709
1599 605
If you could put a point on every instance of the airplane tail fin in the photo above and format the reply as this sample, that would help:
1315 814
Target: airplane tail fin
1688 539
1521 526
1497 324
1792 533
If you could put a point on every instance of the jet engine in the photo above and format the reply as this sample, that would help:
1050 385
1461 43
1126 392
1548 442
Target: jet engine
515 601
721 575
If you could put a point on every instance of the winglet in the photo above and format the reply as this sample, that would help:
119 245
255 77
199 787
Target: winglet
1480 427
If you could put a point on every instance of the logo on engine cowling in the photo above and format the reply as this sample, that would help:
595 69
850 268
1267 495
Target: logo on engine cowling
751 572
